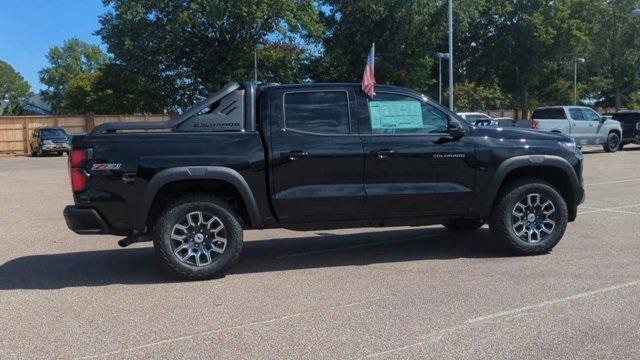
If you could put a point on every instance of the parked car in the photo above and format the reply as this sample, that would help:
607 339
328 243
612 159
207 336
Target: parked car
630 121
583 124
49 140
505 121
311 157
477 119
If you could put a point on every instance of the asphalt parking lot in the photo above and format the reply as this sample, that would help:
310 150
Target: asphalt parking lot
352 294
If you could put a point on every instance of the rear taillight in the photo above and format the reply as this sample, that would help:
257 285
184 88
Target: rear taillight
78 180
535 124
77 158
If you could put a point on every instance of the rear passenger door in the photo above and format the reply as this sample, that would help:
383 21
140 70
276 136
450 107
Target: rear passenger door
582 131
317 160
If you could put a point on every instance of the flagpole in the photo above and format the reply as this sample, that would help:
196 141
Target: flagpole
451 107
373 51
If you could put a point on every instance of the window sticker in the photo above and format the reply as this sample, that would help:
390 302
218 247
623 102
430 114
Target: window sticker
395 115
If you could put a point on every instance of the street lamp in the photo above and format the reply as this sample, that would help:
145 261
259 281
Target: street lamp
440 56
575 78
255 61
451 55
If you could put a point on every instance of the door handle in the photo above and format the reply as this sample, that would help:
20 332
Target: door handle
128 178
383 153
294 155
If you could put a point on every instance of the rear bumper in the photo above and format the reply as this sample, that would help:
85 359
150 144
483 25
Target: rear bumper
85 221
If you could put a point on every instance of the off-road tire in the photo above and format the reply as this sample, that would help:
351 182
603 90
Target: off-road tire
463 225
178 209
612 144
501 220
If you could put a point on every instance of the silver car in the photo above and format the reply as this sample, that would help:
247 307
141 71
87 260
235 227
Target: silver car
583 124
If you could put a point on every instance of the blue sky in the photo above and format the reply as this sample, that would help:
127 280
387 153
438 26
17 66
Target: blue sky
28 28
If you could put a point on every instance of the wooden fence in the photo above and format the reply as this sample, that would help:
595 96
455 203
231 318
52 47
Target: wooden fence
15 131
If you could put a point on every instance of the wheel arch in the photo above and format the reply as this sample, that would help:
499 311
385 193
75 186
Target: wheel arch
553 169
209 179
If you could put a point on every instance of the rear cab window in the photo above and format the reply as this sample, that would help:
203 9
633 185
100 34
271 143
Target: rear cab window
391 113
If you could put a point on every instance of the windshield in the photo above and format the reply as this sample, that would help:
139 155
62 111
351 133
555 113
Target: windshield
53 133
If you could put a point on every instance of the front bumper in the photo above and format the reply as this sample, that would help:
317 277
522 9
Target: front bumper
55 147
85 221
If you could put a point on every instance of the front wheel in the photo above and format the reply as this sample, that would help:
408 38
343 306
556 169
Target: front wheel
198 237
613 143
530 218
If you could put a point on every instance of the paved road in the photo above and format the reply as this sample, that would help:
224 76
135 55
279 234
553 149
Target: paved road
368 293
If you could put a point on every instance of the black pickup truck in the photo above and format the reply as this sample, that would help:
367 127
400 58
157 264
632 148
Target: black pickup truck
316 156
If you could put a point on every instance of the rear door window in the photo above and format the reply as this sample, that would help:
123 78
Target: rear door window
322 112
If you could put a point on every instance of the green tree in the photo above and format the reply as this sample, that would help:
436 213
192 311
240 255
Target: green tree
74 58
189 48
477 97
13 89
523 43
403 33
614 58
112 89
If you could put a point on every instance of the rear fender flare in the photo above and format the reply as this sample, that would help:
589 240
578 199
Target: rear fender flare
196 173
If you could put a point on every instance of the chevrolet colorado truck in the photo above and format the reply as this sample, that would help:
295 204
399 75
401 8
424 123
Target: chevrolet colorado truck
316 156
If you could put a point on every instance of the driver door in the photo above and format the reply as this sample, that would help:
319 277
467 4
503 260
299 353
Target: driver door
582 131
593 119
407 170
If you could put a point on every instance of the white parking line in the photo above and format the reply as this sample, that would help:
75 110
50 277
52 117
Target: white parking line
613 182
215 331
439 334
612 209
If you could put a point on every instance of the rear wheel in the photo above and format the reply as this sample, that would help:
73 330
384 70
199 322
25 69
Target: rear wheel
463 224
198 237
613 143
530 218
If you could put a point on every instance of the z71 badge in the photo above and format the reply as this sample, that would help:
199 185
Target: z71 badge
105 167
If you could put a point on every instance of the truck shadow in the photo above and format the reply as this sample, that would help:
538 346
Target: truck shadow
139 265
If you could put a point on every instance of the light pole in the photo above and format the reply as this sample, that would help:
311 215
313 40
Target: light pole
451 55
575 78
440 56
255 61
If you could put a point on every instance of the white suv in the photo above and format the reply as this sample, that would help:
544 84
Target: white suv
583 124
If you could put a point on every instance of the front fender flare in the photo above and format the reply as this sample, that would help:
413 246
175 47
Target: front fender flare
486 199
196 173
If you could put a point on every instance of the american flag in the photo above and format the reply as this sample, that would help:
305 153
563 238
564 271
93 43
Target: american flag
369 77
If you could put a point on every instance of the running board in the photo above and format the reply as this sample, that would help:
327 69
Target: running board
134 239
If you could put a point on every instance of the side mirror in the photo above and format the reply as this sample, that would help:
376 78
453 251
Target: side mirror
456 130
602 119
